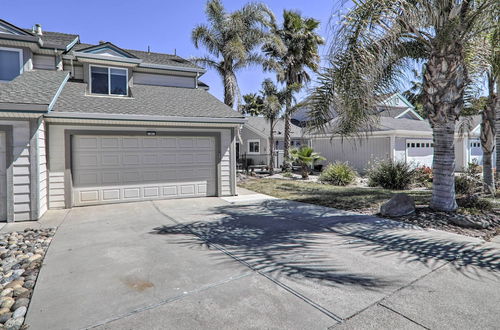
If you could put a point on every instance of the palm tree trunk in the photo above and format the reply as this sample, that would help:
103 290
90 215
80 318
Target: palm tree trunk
445 78
488 138
287 165
271 148
228 90
443 168
497 119
305 171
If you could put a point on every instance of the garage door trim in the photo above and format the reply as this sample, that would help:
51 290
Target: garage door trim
7 129
68 136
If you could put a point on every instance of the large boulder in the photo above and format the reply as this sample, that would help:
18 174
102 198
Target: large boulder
399 205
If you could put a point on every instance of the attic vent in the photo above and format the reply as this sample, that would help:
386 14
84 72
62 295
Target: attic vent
101 42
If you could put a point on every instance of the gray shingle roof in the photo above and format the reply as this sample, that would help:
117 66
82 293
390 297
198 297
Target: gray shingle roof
32 87
150 57
145 100
262 125
62 40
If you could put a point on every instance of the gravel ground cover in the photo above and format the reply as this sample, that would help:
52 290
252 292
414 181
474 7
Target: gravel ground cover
21 256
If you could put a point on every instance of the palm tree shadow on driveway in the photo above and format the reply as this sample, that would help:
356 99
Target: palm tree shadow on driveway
301 241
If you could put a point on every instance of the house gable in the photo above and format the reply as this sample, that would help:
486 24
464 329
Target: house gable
8 28
107 49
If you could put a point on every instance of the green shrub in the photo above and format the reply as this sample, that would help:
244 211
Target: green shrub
474 202
464 185
391 175
338 174
287 174
468 182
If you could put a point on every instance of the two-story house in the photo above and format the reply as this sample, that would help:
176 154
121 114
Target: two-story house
84 124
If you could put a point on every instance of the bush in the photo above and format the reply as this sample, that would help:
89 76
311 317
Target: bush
469 182
464 185
391 175
474 202
338 174
423 175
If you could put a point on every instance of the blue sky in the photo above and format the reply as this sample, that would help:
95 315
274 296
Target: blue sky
165 26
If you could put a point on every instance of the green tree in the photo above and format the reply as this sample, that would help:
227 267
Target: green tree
377 41
291 54
231 40
305 157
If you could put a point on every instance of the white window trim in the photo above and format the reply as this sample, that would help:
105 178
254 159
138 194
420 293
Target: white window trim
248 147
109 80
20 51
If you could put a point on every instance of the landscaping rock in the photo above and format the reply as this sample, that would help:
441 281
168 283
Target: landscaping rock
20 303
399 205
5 317
21 256
14 324
20 312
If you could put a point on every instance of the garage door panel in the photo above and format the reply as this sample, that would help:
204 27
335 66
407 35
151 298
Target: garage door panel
123 168
419 152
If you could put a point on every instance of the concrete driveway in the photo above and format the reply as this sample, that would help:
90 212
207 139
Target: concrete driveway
251 262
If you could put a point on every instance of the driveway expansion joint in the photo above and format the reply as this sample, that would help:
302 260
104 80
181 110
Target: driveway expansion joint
402 315
168 300
229 254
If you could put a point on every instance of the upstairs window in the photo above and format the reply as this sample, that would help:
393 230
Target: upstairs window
108 81
11 63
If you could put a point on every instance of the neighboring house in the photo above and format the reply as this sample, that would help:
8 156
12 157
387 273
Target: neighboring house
254 146
399 134
85 124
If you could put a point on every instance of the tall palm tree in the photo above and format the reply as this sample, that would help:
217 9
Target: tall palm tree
492 107
268 103
231 40
377 41
293 53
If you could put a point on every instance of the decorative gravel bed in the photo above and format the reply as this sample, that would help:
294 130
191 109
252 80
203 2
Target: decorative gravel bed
483 225
21 256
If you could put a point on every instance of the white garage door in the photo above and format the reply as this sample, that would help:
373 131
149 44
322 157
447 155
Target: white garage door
419 152
3 178
112 169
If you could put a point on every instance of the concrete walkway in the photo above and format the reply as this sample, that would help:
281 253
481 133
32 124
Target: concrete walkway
257 262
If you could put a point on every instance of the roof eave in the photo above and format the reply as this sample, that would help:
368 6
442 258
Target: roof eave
29 107
171 67
126 117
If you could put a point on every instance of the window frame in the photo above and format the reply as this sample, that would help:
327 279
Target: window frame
248 147
109 80
21 56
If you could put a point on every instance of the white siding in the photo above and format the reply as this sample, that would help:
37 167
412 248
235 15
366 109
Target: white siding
42 171
163 80
77 71
57 156
358 152
20 168
44 62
